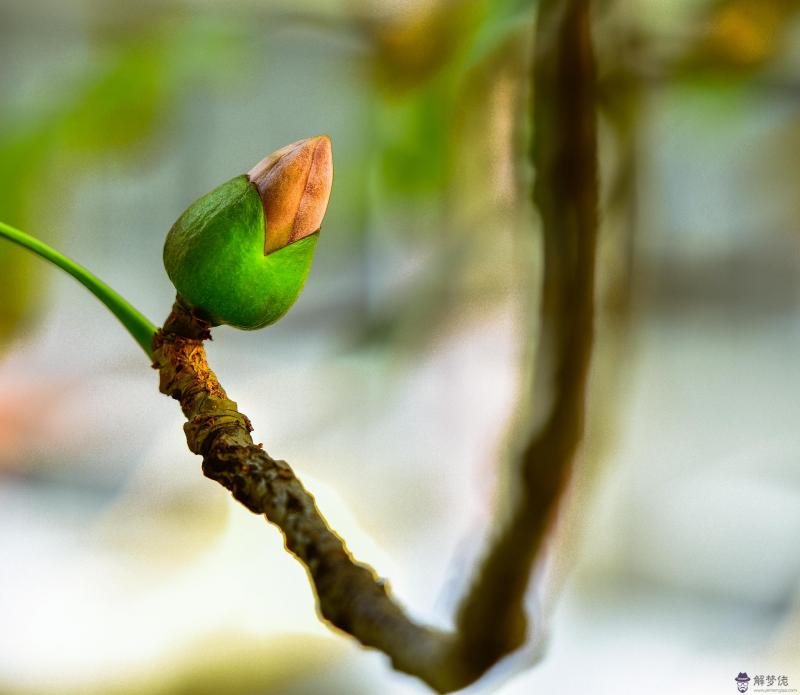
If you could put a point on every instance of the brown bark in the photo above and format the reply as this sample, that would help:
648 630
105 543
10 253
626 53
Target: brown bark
350 596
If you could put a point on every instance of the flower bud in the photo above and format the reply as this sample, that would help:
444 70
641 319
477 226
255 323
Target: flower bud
294 183
240 254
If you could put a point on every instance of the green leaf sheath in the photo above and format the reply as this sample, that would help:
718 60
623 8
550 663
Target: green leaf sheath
138 326
214 255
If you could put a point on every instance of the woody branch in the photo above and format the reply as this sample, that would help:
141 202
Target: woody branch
491 621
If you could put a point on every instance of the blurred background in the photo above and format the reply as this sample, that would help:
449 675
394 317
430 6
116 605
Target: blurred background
393 385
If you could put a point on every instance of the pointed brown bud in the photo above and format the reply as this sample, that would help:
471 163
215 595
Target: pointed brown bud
294 183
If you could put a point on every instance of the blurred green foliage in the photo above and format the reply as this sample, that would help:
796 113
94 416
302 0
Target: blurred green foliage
422 65
127 92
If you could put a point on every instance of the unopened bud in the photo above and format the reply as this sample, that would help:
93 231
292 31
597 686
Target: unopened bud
240 254
294 183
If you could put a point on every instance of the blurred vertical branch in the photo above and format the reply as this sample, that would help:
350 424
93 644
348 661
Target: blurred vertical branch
491 621
564 154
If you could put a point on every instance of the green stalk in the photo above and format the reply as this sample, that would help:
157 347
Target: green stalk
138 326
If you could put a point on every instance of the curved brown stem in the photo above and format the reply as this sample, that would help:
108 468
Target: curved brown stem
350 595
491 621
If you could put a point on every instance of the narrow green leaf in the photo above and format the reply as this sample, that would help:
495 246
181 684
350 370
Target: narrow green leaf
138 326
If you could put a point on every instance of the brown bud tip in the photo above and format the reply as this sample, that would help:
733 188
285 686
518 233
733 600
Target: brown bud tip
294 183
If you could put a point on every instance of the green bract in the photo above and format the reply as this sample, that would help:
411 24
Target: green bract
214 255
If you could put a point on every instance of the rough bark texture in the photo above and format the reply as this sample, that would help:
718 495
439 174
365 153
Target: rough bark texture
491 621
350 595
